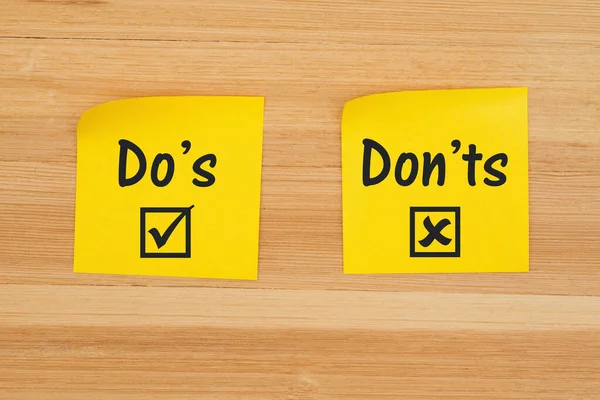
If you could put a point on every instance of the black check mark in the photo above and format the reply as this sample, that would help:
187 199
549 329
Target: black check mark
161 240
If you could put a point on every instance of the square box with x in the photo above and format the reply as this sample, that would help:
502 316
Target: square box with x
435 231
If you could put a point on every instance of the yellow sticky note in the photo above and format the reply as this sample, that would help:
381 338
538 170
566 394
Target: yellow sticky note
435 182
170 186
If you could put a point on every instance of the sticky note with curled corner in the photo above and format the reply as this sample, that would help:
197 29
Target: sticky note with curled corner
170 186
436 182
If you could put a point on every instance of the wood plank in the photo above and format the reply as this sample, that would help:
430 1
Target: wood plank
305 87
22 305
271 344
117 363
304 331
439 22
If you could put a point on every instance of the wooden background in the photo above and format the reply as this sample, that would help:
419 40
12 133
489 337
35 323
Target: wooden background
304 330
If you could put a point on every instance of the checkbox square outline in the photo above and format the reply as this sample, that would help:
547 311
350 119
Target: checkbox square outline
413 211
188 232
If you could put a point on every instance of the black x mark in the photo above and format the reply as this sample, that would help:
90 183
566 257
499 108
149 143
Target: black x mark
435 232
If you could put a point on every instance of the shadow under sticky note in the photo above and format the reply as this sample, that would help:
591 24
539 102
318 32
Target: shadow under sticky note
170 186
436 181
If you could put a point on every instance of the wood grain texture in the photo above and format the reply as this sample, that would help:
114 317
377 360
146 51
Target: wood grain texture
304 330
